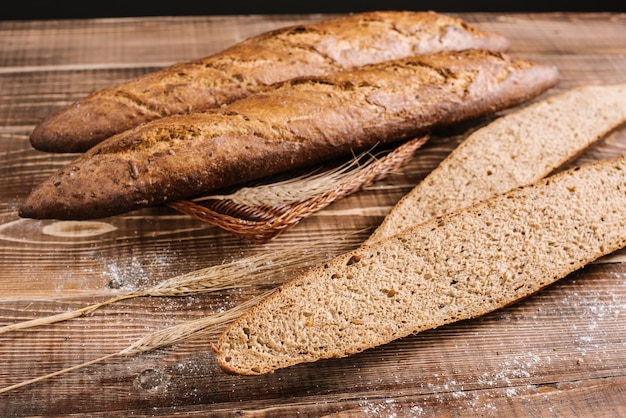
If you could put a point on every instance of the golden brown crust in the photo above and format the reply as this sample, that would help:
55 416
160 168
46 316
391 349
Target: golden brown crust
291 125
251 65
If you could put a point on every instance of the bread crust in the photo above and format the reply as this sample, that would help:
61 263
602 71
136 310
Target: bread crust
291 125
252 65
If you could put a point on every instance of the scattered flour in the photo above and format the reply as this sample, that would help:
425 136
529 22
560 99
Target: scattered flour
133 274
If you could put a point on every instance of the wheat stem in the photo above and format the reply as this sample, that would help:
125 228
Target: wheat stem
57 373
65 316
156 340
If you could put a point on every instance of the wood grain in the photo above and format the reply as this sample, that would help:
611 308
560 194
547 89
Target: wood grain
559 353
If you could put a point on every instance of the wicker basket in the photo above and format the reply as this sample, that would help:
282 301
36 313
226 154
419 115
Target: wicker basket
262 223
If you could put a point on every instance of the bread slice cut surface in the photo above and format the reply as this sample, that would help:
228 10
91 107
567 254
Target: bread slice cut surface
514 150
458 266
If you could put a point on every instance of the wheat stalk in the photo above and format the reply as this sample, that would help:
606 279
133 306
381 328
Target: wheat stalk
159 339
204 280
260 269
65 316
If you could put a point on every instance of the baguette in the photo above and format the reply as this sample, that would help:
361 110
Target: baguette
455 267
293 124
247 67
516 149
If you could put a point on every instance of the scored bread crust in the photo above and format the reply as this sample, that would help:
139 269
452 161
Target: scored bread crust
293 124
253 64
459 266
514 150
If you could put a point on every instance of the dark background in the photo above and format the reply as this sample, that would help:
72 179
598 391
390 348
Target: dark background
59 10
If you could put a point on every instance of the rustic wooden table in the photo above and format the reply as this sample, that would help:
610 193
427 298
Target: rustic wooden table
559 353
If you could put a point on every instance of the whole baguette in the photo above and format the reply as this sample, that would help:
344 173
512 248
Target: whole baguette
291 125
459 266
253 64
514 150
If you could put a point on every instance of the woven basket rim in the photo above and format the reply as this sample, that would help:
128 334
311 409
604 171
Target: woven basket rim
261 224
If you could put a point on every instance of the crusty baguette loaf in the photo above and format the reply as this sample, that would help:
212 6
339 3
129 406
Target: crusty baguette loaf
297 123
459 266
246 67
512 151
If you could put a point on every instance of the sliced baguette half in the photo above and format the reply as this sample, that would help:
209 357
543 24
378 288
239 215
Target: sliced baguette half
458 266
512 151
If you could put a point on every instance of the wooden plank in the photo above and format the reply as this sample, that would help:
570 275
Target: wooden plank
561 352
